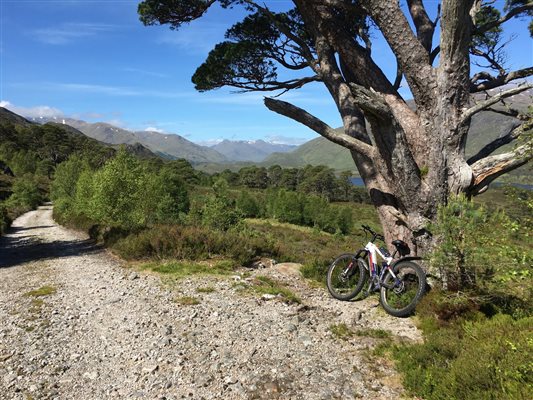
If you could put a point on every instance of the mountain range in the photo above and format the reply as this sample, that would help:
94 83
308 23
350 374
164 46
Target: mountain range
250 150
172 146
485 127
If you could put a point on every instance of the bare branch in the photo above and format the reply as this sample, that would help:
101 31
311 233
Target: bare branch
493 62
512 13
259 86
489 168
399 76
303 117
515 131
433 55
424 26
508 112
467 114
491 82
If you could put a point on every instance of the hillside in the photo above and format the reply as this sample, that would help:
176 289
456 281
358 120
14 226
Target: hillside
53 142
165 145
250 150
319 151
485 127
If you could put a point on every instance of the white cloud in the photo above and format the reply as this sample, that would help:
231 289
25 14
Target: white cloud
101 89
116 122
279 139
33 112
208 142
154 129
144 72
198 37
69 32
107 90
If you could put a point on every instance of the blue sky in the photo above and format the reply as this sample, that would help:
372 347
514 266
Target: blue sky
95 61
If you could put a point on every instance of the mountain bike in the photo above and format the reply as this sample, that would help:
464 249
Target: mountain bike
401 282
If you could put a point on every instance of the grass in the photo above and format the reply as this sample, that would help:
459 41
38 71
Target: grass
207 289
373 333
188 300
265 285
342 331
42 291
183 269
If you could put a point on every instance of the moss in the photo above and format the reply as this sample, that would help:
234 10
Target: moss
207 289
178 269
188 301
266 285
42 291
341 331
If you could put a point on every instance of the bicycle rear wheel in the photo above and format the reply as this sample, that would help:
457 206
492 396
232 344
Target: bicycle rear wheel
400 297
346 276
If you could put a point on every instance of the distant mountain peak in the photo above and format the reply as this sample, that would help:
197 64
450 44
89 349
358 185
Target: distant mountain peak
249 150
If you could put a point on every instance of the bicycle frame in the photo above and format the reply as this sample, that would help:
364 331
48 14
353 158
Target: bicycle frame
376 274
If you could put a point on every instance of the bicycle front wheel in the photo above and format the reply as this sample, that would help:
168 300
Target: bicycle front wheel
346 277
400 296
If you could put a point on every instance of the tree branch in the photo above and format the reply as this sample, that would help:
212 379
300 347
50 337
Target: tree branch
399 76
515 131
433 55
424 26
300 115
305 50
491 82
370 101
412 56
493 24
455 39
489 168
269 86
467 114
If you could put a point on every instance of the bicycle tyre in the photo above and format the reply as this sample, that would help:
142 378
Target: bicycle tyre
401 301
346 288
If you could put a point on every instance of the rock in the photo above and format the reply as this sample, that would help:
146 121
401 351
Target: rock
268 296
132 276
150 368
305 340
91 375
290 328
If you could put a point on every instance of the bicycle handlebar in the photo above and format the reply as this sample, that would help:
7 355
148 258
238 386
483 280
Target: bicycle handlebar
374 234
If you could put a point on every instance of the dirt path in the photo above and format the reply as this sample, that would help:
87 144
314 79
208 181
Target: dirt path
97 330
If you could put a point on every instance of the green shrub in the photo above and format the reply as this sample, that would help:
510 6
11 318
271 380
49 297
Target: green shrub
66 177
26 194
117 192
480 359
219 211
195 243
5 221
477 250
248 205
316 270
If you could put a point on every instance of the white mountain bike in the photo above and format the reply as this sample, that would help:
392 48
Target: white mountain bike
401 282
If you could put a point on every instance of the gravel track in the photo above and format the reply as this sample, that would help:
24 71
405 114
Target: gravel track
105 331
